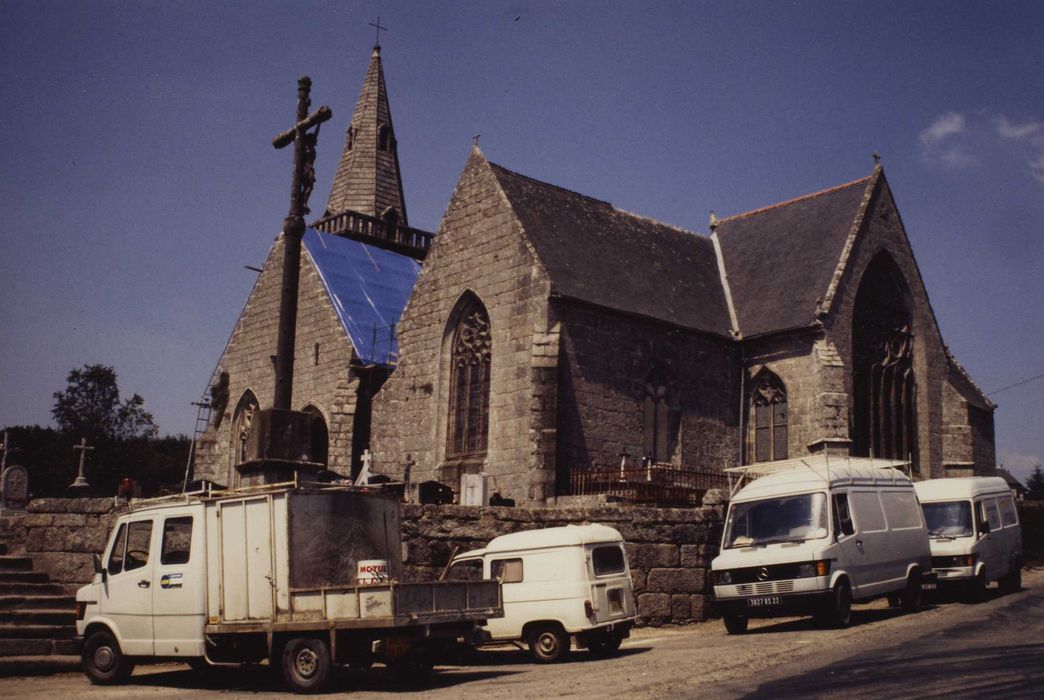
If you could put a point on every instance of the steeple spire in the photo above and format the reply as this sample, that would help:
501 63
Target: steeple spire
367 179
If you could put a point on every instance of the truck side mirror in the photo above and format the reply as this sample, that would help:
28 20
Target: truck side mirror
98 568
984 527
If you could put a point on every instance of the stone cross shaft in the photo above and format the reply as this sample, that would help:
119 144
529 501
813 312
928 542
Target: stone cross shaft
293 231
82 447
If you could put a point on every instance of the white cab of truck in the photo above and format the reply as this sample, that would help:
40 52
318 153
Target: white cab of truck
558 583
974 530
812 535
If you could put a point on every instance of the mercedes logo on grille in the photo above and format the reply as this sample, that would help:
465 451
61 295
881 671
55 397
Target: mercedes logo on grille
763 574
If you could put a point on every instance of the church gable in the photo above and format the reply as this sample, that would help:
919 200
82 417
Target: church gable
598 254
780 260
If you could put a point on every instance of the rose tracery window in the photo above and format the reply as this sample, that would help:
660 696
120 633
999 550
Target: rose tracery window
768 418
470 353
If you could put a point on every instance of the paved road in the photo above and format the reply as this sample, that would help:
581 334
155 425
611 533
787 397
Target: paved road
995 649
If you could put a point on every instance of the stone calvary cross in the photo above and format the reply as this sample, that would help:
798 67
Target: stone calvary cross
293 230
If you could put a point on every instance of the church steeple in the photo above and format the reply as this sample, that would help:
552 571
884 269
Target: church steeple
367 179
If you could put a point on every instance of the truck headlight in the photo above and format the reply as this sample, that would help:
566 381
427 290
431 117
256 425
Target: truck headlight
813 568
723 578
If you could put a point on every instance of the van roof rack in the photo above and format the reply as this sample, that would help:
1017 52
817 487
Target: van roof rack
815 463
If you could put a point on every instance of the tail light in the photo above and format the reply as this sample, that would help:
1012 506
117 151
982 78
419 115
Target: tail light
589 608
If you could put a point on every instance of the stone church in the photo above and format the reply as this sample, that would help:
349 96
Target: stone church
542 334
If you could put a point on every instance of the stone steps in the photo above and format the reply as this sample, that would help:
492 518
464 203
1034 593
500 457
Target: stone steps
37 617
12 563
15 588
16 632
37 602
23 577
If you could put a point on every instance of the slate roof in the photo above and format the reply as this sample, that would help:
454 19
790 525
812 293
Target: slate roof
601 255
779 260
368 287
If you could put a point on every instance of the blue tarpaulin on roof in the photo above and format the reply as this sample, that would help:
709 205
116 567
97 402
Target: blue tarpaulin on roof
368 286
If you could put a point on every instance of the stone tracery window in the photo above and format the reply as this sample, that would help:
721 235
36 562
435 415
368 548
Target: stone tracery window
470 355
884 384
656 414
768 433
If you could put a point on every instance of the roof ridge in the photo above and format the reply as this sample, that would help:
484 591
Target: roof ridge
795 200
551 185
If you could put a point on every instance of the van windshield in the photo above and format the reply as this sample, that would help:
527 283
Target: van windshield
788 519
948 519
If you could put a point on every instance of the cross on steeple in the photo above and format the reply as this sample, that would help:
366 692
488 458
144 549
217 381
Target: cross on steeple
379 28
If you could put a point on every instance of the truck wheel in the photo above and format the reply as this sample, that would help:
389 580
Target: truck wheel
838 610
735 624
306 664
604 643
911 596
103 661
976 592
548 643
1012 583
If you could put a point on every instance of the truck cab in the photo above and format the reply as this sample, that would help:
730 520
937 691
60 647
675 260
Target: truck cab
559 583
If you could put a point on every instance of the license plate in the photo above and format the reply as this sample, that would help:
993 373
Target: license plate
764 601
929 586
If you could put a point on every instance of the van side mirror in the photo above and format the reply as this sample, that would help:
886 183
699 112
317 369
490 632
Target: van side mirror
98 568
984 527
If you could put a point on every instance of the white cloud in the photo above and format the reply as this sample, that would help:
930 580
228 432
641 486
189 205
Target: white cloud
1017 131
943 127
957 157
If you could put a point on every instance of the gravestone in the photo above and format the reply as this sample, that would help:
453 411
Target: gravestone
14 488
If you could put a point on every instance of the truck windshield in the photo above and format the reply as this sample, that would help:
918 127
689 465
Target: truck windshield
788 519
948 519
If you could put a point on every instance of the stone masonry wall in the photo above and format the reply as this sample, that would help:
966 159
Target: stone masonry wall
321 378
604 362
479 249
669 549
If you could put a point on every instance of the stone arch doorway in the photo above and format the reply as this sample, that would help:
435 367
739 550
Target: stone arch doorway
884 386
318 435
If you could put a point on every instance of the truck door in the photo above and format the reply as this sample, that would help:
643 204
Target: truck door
178 586
126 597
993 541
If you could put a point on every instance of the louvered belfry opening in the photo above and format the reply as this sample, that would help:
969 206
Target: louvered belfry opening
470 355
884 384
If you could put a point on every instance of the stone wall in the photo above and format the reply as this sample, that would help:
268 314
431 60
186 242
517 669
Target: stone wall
669 549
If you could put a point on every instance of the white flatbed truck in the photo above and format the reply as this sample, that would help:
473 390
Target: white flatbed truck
269 572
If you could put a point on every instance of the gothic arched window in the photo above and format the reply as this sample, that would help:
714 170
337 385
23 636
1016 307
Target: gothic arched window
768 418
884 385
318 435
470 352
656 414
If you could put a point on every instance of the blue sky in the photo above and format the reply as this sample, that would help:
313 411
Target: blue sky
137 175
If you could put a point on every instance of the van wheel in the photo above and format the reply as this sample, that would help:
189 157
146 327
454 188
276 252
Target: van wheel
976 592
548 643
306 665
735 624
1012 583
838 610
911 596
103 661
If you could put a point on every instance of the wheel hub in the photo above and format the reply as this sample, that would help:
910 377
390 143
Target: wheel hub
306 662
547 642
103 658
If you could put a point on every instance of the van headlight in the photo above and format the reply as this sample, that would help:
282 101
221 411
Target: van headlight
723 578
813 568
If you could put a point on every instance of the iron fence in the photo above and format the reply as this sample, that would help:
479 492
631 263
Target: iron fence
656 483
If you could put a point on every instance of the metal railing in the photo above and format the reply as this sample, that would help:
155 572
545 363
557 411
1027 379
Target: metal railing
655 483
352 222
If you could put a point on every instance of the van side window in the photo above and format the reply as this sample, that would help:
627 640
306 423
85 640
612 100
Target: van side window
607 560
507 570
467 570
867 508
177 540
115 563
901 509
990 513
842 516
1007 511
138 536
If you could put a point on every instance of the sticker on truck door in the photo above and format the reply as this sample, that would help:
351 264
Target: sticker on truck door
170 581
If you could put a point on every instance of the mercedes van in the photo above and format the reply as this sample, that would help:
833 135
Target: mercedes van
559 583
815 534
974 531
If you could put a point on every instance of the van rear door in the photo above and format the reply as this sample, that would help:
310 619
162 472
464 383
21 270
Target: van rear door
611 582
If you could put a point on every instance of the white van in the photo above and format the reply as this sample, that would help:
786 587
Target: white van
558 583
974 531
812 535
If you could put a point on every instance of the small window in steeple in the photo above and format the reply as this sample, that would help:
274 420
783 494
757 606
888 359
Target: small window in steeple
351 137
384 137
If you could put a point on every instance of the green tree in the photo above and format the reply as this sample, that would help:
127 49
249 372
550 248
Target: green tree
1035 484
90 407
